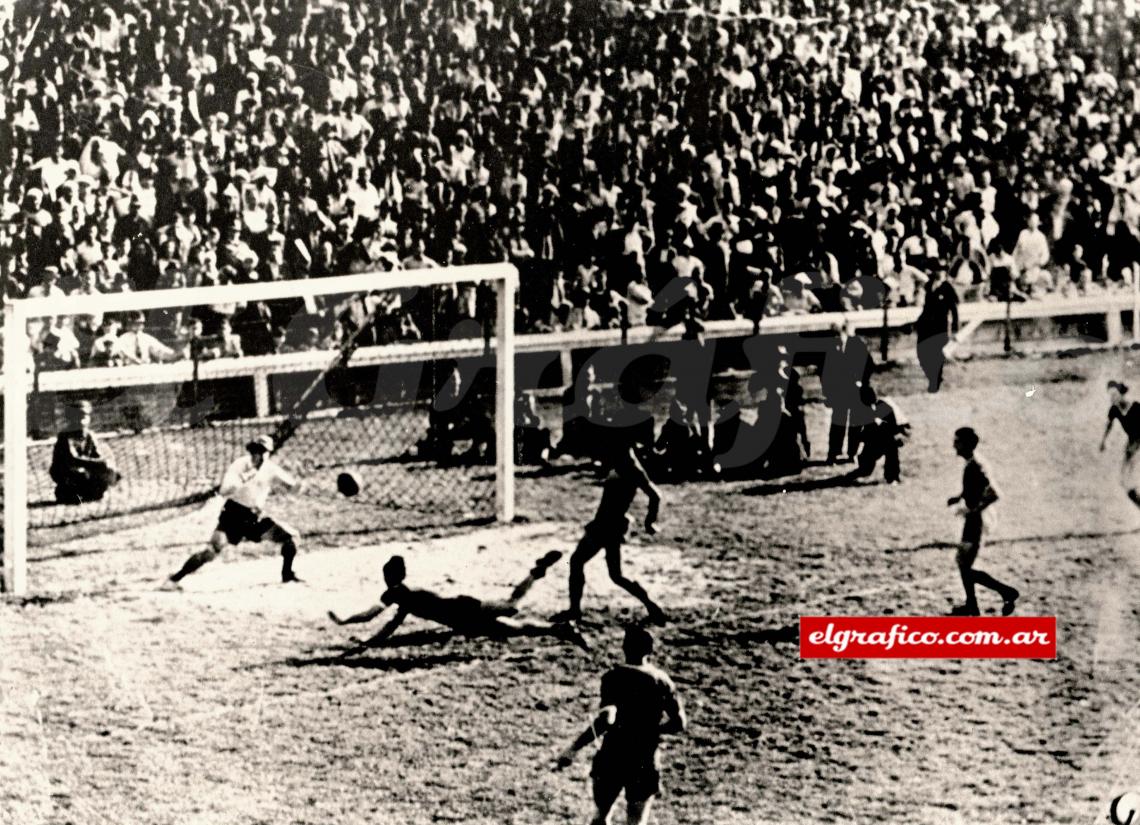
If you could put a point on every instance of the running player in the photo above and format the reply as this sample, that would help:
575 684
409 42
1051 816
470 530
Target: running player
246 487
607 532
977 495
635 697
465 614
1128 414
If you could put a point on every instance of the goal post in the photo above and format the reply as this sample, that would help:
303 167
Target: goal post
176 453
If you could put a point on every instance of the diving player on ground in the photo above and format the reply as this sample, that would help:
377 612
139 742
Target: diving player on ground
1128 414
246 487
607 532
635 697
465 614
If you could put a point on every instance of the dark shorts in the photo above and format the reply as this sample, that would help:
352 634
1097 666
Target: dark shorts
611 775
475 617
606 532
972 530
239 523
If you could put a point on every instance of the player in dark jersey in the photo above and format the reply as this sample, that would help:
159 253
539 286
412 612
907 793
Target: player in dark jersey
1128 414
977 495
608 529
465 614
639 705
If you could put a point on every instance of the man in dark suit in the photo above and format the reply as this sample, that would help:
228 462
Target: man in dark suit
934 326
845 377
255 325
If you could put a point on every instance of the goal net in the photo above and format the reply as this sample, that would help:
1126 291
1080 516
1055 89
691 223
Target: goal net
398 383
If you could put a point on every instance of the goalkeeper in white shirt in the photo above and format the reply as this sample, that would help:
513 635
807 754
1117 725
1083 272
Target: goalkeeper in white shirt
246 487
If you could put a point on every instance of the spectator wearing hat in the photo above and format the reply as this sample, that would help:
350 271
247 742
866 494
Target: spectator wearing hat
82 467
137 346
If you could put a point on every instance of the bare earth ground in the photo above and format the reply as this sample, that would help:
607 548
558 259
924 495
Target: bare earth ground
225 704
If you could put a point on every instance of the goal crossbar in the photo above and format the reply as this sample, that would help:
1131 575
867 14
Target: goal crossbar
18 366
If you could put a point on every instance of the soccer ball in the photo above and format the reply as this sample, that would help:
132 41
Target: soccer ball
1125 809
347 485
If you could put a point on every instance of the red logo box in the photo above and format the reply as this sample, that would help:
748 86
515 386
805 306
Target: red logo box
928 637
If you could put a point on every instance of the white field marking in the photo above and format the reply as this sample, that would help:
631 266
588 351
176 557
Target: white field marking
486 564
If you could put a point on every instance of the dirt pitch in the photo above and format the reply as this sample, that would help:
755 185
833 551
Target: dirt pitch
226 703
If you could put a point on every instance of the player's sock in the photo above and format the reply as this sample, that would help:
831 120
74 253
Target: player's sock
193 563
657 616
288 553
537 572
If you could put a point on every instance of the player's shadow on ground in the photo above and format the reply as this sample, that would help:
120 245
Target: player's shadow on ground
1069 536
789 634
555 470
353 657
388 665
806 485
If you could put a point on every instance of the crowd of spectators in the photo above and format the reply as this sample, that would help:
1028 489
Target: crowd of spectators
739 157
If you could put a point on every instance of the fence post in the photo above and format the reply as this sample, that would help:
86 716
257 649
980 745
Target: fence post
261 392
1007 343
1135 307
885 335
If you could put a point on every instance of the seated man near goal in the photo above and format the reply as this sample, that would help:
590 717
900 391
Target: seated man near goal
465 614
246 487
81 467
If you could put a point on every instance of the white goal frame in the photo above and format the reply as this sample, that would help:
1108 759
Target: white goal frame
17 364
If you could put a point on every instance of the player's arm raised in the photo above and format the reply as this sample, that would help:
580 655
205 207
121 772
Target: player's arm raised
286 480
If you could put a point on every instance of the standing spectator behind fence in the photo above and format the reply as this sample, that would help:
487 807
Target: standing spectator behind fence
136 346
939 319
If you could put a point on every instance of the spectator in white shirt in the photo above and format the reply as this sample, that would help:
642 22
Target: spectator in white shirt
1031 254
135 346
